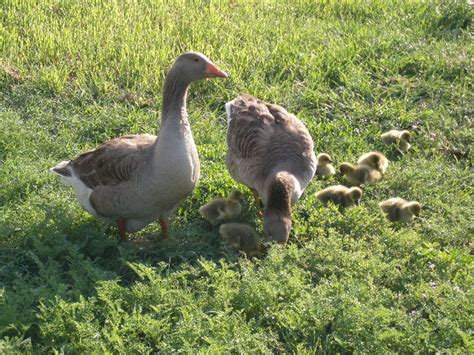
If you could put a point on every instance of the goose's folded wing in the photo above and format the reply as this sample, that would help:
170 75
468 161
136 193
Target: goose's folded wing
113 162
252 125
247 136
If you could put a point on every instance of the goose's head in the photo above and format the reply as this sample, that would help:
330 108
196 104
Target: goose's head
277 215
196 66
277 227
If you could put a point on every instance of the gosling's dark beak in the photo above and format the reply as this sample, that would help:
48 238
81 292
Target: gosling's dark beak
213 71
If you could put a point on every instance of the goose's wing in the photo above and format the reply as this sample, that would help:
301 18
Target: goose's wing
112 163
250 126
268 133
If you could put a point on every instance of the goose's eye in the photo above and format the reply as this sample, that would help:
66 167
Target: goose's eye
196 60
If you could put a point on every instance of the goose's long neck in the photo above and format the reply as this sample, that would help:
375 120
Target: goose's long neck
175 134
279 195
174 99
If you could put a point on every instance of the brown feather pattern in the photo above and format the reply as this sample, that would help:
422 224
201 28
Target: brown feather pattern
271 151
270 136
113 162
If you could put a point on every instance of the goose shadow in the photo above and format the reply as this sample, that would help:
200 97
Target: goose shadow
66 254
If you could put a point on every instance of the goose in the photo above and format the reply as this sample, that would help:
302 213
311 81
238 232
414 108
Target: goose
242 237
401 138
325 168
222 209
360 174
270 151
375 160
340 195
398 209
136 179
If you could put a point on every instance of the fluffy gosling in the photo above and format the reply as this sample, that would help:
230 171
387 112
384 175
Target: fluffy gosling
401 138
340 195
400 210
242 237
375 160
360 174
325 168
222 209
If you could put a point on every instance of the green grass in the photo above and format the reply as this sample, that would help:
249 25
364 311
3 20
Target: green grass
75 73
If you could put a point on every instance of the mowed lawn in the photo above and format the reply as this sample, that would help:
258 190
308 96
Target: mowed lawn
76 73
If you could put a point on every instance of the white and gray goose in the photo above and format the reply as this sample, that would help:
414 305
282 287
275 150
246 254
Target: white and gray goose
137 179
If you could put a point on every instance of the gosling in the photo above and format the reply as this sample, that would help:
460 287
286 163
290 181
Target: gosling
340 195
401 138
325 168
242 237
221 209
400 210
375 160
360 174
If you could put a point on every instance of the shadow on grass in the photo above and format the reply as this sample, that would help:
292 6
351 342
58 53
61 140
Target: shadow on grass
59 256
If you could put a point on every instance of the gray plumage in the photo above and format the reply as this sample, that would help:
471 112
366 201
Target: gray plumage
271 151
137 179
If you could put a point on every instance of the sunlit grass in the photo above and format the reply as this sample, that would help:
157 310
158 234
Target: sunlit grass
73 74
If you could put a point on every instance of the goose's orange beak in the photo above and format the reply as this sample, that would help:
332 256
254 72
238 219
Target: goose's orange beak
213 71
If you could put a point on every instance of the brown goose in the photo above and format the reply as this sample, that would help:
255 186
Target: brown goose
137 179
271 151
